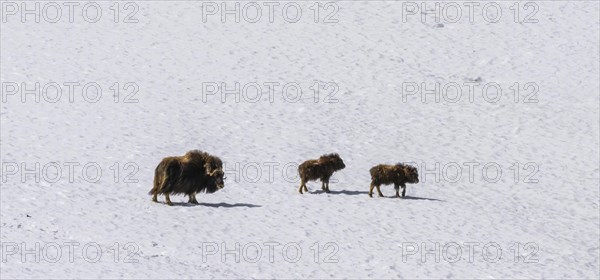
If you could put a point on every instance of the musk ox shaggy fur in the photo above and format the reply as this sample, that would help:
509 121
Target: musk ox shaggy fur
398 175
192 173
322 168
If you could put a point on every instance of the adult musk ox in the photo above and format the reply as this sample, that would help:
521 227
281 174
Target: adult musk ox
194 172
398 174
322 168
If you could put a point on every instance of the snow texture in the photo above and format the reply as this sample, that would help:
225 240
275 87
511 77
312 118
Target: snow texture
549 211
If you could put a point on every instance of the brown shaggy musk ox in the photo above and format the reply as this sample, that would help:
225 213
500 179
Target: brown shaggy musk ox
192 173
322 168
398 175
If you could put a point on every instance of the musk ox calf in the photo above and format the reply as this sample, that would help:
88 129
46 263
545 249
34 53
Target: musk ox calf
398 174
321 168
194 172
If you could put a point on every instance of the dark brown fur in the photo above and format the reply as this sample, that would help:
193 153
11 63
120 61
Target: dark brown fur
398 175
192 173
322 168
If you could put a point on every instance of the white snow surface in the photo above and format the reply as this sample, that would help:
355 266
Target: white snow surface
368 54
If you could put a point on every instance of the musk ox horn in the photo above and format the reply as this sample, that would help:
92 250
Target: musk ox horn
208 169
213 172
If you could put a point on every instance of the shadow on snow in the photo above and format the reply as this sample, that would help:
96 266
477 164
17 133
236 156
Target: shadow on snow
342 192
216 205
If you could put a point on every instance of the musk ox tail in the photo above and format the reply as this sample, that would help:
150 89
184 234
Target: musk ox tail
373 171
157 179
165 176
305 169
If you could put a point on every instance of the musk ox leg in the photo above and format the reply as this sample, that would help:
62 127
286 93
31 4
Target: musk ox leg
193 199
397 190
155 197
371 190
302 185
168 199
404 191
379 191
323 185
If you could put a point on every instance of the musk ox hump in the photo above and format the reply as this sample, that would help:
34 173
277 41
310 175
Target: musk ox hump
329 156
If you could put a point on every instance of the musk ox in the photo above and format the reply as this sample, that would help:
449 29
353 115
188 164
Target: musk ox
398 174
321 168
192 173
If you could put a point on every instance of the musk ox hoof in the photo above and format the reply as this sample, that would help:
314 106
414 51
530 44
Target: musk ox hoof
170 203
381 195
370 195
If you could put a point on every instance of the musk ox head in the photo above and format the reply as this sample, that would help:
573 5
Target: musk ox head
218 178
214 170
213 182
335 160
411 174
212 164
